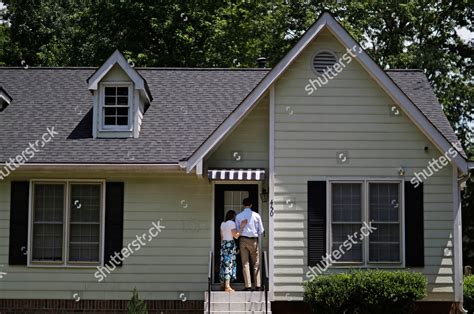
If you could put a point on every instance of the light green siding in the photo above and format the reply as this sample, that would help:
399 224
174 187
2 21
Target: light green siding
351 113
174 262
249 140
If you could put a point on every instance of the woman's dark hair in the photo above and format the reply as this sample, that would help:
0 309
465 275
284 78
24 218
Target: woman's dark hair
230 215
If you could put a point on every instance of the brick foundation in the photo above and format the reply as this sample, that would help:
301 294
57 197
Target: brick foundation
17 306
284 307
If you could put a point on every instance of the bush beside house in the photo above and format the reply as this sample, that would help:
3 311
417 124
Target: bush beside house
135 305
469 293
372 291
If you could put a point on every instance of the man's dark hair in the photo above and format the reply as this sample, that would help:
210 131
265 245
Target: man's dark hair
247 202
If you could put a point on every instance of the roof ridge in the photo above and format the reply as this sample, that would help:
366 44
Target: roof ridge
404 70
45 68
137 68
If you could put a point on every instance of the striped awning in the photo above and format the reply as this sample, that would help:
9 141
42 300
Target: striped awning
236 174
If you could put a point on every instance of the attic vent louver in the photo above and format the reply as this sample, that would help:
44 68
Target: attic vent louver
323 60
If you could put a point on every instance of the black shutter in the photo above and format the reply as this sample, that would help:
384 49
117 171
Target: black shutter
19 199
414 228
113 220
316 221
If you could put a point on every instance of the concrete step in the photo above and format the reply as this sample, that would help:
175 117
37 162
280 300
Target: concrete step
238 312
237 296
237 302
237 306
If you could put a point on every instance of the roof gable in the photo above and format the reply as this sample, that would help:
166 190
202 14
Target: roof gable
385 82
118 59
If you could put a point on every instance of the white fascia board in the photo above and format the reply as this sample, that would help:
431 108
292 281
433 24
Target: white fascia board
5 97
371 67
251 100
118 167
117 58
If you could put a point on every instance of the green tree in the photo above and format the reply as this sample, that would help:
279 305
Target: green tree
135 305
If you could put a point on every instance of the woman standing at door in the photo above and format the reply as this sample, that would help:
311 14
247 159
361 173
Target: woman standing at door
228 267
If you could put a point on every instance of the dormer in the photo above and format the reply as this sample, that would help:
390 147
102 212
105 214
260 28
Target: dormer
5 99
120 96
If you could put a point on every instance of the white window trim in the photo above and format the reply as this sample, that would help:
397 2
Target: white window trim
129 126
365 212
65 254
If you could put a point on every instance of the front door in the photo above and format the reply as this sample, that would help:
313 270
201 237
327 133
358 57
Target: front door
226 197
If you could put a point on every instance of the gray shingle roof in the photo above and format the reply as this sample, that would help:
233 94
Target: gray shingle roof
188 105
416 86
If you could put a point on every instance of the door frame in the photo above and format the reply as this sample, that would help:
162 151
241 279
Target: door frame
213 212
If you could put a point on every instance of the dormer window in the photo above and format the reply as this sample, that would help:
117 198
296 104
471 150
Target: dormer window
116 104
120 97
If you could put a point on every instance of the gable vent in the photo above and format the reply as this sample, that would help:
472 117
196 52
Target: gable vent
323 60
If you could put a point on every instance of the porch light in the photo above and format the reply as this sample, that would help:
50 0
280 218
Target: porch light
264 195
401 171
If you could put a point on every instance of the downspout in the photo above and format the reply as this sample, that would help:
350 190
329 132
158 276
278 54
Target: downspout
461 180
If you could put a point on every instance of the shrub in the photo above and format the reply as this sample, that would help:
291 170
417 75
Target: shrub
135 305
372 291
469 293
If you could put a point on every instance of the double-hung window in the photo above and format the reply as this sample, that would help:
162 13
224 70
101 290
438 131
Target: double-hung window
66 222
116 102
355 207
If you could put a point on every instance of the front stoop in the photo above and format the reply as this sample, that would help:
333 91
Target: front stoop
238 302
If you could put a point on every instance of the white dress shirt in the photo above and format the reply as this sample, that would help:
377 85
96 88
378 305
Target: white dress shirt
254 226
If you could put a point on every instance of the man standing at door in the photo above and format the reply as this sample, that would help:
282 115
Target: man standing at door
249 243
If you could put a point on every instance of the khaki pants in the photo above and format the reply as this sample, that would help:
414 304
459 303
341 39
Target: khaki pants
249 247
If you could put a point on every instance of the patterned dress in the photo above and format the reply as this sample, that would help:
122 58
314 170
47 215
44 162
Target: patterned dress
228 269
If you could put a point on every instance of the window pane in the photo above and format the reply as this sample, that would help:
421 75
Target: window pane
384 201
122 101
110 91
122 120
47 242
84 235
110 101
110 111
385 233
346 202
48 209
109 121
350 250
116 111
123 91
384 212
383 252
122 111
